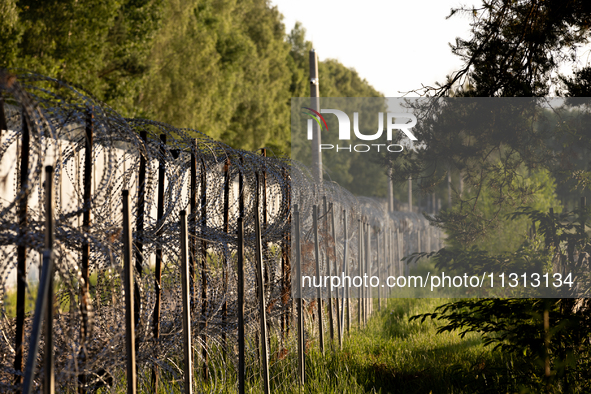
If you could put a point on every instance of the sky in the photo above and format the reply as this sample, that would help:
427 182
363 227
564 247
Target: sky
397 46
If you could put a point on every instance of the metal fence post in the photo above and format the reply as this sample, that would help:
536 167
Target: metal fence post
188 349
345 288
203 253
328 271
319 277
225 263
379 270
262 311
158 263
86 221
129 296
44 302
360 269
3 125
240 269
300 308
347 271
49 384
336 269
21 249
139 243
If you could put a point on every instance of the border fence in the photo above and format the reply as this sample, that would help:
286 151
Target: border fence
134 251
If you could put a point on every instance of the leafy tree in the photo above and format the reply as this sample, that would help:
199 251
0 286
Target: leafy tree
221 67
100 45
224 67
516 46
517 325
10 31
515 50
495 146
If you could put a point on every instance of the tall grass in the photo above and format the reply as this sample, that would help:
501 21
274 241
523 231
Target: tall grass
389 355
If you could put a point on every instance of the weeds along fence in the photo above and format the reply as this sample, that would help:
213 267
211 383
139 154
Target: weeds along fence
102 216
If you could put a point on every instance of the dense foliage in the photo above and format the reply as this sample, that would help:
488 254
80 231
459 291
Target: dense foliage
531 153
224 67
555 330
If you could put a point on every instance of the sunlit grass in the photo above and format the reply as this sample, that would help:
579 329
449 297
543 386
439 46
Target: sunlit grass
389 355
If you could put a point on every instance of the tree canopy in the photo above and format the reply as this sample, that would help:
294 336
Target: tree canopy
227 68
523 158
516 47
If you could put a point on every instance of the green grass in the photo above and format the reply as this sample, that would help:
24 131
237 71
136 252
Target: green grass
391 355
10 301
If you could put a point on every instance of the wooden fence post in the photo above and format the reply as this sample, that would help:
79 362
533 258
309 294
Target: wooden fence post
261 288
129 297
187 348
547 371
158 266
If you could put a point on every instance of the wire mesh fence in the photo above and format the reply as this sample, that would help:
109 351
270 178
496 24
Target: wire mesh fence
96 155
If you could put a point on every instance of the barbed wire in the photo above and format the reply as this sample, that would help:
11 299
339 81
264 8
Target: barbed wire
202 176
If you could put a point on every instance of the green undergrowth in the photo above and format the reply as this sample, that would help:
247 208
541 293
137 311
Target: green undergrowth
393 355
389 355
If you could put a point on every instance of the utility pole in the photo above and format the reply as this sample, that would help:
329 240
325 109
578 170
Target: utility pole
390 191
409 194
449 188
315 105
390 183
